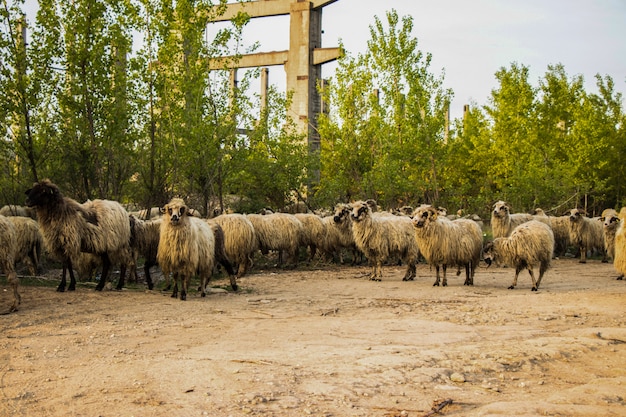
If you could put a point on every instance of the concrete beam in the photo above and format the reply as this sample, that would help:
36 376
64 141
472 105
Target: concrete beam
261 59
262 8
324 55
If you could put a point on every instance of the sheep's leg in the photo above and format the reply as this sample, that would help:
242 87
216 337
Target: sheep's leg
469 274
583 255
184 283
518 269
14 281
436 284
532 277
542 270
620 277
175 289
410 271
70 269
146 270
61 287
378 271
106 266
120 282
204 281
444 283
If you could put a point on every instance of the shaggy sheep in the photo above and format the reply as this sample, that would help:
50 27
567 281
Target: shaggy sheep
145 236
186 247
11 210
503 222
339 234
240 241
280 232
156 212
560 229
101 227
220 252
7 258
619 261
314 232
610 225
29 242
382 237
585 233
530 244
445 242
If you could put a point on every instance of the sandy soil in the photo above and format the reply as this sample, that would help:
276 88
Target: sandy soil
324 341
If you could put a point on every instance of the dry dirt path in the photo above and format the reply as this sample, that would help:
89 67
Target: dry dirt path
324 342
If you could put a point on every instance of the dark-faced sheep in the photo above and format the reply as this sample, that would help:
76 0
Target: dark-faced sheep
383 237
186 247
530 245
101 227
503 222
586 233
445 242
7 258
240 241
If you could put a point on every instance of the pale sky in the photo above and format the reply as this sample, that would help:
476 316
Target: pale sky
472 39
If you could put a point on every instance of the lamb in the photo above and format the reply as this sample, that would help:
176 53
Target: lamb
8 250
11 210
101 227
280 232
29 242
186 247
240 241
503 222
382 237
585 233
444 242
530 244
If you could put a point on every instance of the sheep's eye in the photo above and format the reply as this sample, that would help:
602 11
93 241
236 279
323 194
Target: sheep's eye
424 215
169 211
182 210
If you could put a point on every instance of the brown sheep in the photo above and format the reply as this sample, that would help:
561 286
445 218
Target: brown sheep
101 227
586 233
503 222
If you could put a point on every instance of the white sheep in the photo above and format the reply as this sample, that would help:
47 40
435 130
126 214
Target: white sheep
314 232
503 222
586 233
619 260
560 229
240 241
7 258
339 234
279 232
186 247
11 210
610 225
383 237
29 242
101 227
445 242
530 245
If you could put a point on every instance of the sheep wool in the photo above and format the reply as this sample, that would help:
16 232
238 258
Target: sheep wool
240 241
530 245
186 247
503 222
280 232
382 237
586 233
445 242
101 227
29 242
7 258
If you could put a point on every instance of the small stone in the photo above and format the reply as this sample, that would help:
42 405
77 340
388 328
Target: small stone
457 377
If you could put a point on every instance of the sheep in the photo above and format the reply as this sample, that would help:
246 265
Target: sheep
101 227
619 260
381 237
314 232
145 236
156 212
186 247
29 242
560 229
8 250
339 234
503 222
220 252
585 233
280 232
240 241
444 242
610 225
11 210
530 244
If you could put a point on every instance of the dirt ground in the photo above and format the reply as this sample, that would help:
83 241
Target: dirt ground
324 341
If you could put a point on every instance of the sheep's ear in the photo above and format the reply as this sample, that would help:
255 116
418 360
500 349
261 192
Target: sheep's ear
162 210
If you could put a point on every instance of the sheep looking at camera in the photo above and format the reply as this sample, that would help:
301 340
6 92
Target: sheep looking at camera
445 242
186 247
240 241
530 245
7 258
101 227
503 222
383 237
585 233
610 222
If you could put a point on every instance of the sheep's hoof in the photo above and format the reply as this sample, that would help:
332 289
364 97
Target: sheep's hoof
534 289
407 279
621 277
582 262
61 288
183 296
511 287
234 287
375 279
203 294
174 295
436 284
99 287
444 284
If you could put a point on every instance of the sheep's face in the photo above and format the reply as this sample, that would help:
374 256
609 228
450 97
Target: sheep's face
501 210
489 253
610 222
342 212
424 215
576 215
360 211
175 211
42 194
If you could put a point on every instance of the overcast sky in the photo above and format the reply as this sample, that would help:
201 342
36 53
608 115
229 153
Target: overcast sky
472 39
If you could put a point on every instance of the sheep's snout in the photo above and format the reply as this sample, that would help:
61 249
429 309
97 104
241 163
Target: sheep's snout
337 219
488 262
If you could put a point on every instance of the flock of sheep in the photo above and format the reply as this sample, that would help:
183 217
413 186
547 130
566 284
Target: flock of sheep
102 233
